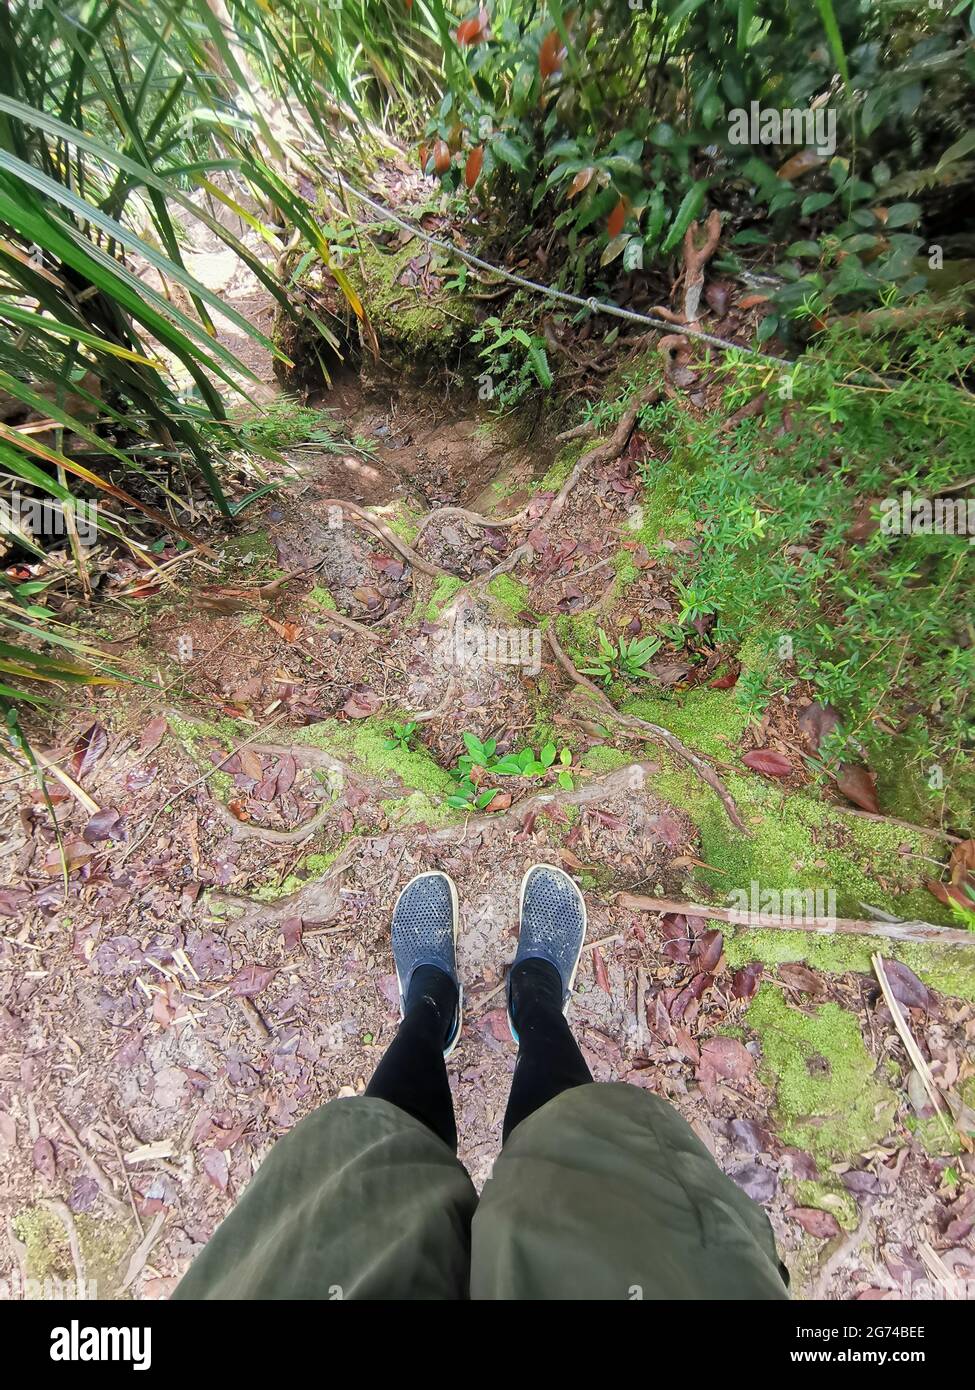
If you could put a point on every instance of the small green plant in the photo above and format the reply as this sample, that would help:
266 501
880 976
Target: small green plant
965 912
524 763
626 659
401 736
514 361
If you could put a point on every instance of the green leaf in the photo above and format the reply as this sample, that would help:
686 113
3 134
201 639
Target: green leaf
690 206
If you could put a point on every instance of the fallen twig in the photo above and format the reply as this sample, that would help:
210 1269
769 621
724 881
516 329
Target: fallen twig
91 1163
907 1038
823 926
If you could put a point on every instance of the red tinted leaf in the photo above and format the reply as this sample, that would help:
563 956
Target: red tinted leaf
473 30
750 1136
101 825
768 762
727 681
948 893
759 1182
472 168
216 1168
962 861
89 748
44 1158
551 53
251 979
581 181
728 1057
290 928
667 828
153 734
859 785
362 703
287 772
499 802
802 978
76 856
744 982
441 157
12 901
616 219
816 721
822 1224
862 1183
905 986
698 985
599 969
707 950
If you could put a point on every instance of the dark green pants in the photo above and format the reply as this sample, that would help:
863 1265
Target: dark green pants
603 1193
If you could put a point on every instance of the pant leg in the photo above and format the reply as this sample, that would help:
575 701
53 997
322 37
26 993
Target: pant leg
359 1201
606 1193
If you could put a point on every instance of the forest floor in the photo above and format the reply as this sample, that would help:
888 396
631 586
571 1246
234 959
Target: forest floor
222 964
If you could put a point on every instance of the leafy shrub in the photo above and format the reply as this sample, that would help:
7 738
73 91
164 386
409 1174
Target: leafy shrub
612 123
792 545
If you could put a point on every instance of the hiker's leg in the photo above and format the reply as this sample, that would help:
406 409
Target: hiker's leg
549 1058
360 1200
606 1193
413 1073
600 1191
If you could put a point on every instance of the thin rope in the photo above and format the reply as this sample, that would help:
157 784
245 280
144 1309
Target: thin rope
595 306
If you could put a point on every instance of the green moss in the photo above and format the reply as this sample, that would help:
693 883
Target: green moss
321 597
102 1241
828 1195
559 470
948 969
361 742
602 758
937 1136
313 866
254 544
406 314
444 589
827 1096
510 595
419 809
705 719
401 518
800 843
577 633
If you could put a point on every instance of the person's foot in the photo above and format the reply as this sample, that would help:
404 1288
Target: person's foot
552 928
424 949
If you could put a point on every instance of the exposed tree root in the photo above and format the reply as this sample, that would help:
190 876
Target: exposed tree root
644 729
695 259
333 615
321 900
365 519
926 932
248 830
754 407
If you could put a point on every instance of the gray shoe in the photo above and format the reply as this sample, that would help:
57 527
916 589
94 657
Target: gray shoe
552 926
425 919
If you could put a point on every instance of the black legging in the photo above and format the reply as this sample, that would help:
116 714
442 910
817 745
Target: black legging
413 1076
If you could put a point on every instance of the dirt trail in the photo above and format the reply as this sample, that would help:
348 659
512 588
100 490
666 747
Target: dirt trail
222 964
